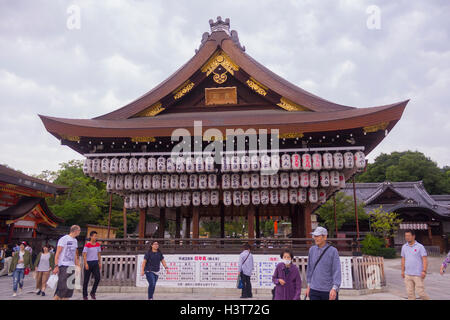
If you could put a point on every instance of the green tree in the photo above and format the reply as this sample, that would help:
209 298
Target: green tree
345 212
408 166
383 223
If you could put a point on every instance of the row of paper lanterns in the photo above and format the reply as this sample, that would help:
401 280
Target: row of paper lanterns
235 198
246 163
283 180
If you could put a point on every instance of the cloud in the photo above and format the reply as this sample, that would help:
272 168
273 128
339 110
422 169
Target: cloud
125 48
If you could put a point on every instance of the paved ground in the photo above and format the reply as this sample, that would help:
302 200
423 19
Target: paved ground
437 287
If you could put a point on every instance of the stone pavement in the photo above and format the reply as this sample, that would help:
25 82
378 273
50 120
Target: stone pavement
437 287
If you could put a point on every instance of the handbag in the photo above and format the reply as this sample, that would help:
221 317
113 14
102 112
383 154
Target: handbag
26 271
52 281
239 284
317 262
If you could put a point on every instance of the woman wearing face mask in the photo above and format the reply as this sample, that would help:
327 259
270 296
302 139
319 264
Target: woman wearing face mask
287 279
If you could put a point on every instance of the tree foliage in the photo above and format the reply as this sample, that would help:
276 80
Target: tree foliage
384 223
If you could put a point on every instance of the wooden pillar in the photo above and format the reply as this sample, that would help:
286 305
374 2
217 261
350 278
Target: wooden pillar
307 219
356 211
258 231
294 221
162 222
222 220
178 223
142 216
124 222
187 234
335 216
251 222
195 223
109 215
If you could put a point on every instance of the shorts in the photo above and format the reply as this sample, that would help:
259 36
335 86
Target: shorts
66 285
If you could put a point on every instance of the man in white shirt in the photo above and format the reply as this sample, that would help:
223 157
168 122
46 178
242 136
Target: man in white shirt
66 259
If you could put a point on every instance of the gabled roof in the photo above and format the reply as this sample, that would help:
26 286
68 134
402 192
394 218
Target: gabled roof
24 206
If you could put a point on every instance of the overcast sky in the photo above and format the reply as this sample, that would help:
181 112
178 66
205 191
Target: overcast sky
124 48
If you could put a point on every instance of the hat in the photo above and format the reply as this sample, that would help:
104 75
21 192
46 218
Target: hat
320 231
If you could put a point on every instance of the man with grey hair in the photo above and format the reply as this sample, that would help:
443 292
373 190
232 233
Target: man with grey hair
66 258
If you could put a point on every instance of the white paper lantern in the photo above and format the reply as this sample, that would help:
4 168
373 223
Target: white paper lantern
114 165
304 179
254 180
184 182
196 198
142 165
151 200
214 197
275 162
151 165
334 178
348 160
235 164
274 180
295 181
265 162
133 165
96 165
87 166
313 179
165 182
296 161
264 181
293 196
202 181
338 160
226 164
161 164
142 200
186 199
212 181
193 181
265 198
199 164
317 161
128 182
327 161
313 196
179 165
123 165
209 164
111 182
174 181
177 199
227 198
170 165
274 199
226 181
245 163
324 179
256 199
161 199
105 165
284 180
190 165
119 182
156 182
360 160
284 196
127 201
341 180
255 163
245 181
322 195
235 181
169 199
134 200
302 195
286 162
147 182
306 162
237 198
137 182
206 200
246 198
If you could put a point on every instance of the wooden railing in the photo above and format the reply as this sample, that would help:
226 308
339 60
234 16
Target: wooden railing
299 246
117 271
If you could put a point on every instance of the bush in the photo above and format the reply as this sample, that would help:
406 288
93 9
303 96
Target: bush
387 253
371 245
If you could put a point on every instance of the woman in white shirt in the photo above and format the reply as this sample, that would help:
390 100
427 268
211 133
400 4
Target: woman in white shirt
44 263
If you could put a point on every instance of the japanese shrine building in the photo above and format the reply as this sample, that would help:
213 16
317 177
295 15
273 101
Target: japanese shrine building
293 151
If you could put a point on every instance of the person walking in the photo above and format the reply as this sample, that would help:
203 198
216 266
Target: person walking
414 266
44 264
445 264
288 284
7 261
66 260
20 260
245 268
151 266
323 272
92 264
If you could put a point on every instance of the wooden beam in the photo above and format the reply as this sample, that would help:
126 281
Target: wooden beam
222 220
142 216
251 222
307 219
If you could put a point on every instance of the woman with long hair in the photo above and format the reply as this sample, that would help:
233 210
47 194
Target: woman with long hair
45 262
151 266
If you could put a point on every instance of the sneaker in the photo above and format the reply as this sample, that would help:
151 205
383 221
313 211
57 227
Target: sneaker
43 293
20 290
93 296
39 292
14 294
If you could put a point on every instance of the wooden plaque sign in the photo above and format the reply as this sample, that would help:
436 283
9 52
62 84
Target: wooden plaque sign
222 95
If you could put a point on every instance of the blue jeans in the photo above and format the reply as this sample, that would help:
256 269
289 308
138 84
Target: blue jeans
18 275
151 278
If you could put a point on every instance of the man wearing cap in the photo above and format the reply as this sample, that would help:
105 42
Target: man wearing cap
324 275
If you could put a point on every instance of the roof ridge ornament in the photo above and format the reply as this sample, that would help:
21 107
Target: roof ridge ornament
218 26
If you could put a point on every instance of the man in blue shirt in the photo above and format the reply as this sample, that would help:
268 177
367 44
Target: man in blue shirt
245 268
414 266
324 279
